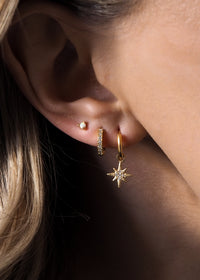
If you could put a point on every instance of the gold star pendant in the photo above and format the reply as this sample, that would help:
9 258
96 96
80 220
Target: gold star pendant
119 174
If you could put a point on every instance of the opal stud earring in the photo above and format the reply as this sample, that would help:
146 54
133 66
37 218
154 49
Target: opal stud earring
83 125
119 174
100 148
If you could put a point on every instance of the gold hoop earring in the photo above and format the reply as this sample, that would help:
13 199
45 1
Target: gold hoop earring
119 174
100 148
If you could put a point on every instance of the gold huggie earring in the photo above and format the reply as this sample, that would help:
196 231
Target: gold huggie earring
100 148
119 174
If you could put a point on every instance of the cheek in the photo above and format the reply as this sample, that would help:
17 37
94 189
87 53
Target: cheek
158 66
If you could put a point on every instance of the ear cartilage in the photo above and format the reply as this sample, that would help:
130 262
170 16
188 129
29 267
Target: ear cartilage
100 148
83 125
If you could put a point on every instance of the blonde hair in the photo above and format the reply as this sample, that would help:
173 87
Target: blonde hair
7 9
21 176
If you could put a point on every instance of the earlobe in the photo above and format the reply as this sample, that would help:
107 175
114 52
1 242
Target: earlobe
56 75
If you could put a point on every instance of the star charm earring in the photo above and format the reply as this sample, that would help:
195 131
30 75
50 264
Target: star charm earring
119 174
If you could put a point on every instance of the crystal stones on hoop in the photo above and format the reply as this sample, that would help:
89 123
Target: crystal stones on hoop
100 148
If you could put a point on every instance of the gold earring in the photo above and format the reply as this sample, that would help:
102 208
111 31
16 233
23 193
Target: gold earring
100 148
119 174
83 125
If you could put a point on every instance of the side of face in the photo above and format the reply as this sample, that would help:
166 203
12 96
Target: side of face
153 69
153 55
129 75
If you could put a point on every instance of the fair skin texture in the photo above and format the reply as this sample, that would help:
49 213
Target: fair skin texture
144 78
160 84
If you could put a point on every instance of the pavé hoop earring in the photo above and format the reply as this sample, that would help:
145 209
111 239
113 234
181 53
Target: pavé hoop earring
100 148
119 174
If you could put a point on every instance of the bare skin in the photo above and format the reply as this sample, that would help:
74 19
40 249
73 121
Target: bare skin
139 74
158 50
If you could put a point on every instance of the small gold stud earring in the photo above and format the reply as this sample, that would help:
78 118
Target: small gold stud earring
100 148
119 174
83 125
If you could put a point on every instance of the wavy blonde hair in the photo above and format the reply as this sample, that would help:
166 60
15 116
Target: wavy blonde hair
21 176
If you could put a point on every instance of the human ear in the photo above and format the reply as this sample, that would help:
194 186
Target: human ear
50 54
